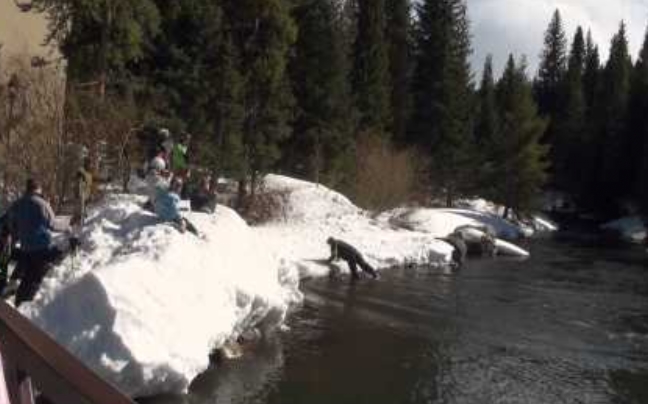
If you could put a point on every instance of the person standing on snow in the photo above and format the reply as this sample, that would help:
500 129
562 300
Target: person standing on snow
166 143
179 156
31 220
345 251
167 207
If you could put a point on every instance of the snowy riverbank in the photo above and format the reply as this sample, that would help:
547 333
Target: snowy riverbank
145 305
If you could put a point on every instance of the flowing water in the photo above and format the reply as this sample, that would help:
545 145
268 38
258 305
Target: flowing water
570 325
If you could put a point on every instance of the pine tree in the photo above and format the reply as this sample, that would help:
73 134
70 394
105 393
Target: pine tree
171 76
224 148
613 145
441 121
549 86
263 31
569 156
398 32
638 127
322 145
371 68
591 74
522 159
594 106
487 127
99 38
553 67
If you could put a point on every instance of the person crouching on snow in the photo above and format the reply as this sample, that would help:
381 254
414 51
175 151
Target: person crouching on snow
460 249
345 251
167 207
157 179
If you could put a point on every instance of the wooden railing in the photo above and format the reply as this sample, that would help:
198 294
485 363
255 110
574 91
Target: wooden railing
32 358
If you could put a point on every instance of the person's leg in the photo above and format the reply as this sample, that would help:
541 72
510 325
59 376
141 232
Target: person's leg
36 267
354 269
181 224
16 256
191 228
367 268
33 271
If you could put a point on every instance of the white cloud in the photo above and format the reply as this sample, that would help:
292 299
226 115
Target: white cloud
500 27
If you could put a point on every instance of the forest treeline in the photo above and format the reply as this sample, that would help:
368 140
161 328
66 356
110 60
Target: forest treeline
373 97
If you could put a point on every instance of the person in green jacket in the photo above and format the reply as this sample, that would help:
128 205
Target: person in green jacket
179 158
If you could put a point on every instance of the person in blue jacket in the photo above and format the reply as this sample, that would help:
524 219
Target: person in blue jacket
167 206
31 221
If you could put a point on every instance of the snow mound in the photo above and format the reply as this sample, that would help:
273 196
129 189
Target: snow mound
544 225
312 213
144 305
441 222
308 202
631 228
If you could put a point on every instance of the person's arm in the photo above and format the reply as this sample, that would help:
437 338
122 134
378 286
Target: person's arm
333 256
52 223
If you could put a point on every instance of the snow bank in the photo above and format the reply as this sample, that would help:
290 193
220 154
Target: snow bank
631 228
144 305
544 225
313 213
441 222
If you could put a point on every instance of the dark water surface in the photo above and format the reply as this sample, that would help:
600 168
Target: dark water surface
570 325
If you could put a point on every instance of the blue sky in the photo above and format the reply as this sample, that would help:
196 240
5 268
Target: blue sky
503 26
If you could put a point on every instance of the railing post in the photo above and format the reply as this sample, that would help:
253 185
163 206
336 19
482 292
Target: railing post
25 389
11 379
4 393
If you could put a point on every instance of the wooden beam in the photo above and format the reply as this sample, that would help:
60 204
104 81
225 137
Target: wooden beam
55 372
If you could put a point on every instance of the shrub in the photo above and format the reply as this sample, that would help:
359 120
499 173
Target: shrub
386 177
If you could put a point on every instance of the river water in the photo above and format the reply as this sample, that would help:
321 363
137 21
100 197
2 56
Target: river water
570 325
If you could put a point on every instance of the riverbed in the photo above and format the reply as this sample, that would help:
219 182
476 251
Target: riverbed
569 325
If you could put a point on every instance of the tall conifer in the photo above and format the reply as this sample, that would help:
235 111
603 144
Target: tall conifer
487 126
441 121
322 144
569 146
638 126
522 159
263 31
553 67
398 33
613 144
371 68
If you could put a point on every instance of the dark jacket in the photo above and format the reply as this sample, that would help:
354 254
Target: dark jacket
460 248
32 220
342 250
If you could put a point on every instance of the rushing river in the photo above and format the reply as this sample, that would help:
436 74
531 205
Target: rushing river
570 325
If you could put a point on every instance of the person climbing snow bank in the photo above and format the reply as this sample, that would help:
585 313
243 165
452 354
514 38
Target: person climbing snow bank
353 258
31 221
